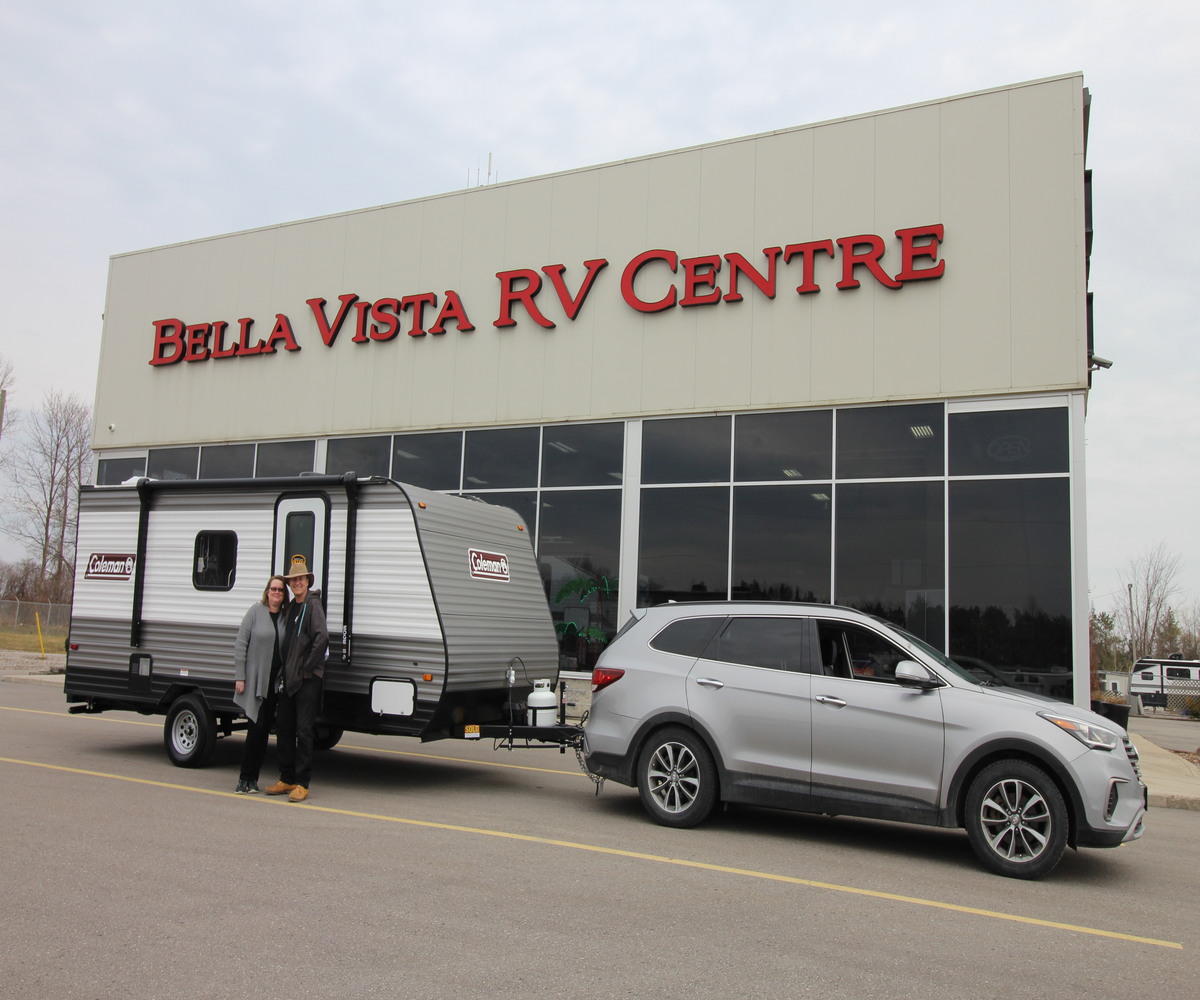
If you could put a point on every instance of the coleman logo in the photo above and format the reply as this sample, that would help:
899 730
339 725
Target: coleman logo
488 565
104 567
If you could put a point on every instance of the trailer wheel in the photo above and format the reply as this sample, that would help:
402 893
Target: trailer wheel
190 732
327 737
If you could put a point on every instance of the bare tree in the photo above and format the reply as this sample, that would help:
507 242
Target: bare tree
1150 581
47 467
7 381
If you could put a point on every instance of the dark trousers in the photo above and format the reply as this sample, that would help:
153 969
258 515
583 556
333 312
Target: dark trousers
257 735
295 730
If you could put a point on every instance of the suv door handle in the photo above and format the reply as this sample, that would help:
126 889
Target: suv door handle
708 682
826 699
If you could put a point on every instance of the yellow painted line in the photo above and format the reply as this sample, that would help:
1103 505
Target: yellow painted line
347 746
638 856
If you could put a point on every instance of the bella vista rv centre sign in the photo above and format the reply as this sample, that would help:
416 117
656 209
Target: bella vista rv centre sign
696 282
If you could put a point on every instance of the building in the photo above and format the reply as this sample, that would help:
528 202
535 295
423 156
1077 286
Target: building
841 362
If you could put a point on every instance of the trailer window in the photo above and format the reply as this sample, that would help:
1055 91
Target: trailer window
300 533
215 564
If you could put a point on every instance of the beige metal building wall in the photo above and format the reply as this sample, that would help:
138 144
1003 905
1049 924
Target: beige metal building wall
1001 171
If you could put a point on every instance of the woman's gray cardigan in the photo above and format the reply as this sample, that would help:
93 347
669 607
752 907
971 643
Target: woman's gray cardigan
253 651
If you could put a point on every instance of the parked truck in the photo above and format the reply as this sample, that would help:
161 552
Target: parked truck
438 619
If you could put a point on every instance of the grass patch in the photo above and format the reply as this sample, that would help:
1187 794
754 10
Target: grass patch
26 640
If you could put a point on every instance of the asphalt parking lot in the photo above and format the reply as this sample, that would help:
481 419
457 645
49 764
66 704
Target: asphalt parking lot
455 870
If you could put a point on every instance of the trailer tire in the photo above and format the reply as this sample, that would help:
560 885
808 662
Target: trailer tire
190 732
327 737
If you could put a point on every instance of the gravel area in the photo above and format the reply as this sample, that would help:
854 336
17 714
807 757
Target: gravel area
14 661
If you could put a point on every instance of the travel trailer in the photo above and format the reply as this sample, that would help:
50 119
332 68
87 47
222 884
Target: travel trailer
438 619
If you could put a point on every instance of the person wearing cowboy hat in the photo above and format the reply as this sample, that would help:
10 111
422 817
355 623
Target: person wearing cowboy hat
305 642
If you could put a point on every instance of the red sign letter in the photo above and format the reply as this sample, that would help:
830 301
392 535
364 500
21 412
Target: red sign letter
167 333
571 306
509 294
670 258
851 258
910 250
453 309
809 252
329 333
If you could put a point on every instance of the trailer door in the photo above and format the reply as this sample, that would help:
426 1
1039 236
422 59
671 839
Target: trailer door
302 529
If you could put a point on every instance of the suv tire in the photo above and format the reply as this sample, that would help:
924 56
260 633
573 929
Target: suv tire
676 778
1016 819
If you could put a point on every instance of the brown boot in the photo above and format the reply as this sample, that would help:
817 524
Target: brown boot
299 794
280 787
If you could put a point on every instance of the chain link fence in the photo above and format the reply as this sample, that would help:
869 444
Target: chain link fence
24 615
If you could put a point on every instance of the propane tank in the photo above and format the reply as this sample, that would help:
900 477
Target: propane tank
542 703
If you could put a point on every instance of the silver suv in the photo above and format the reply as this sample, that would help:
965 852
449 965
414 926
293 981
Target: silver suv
828 710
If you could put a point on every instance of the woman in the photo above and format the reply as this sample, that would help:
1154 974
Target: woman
305 642
257 661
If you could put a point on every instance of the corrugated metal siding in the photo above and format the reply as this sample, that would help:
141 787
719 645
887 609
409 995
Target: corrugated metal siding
487 623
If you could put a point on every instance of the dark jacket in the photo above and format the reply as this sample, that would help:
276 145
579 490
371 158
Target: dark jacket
305 642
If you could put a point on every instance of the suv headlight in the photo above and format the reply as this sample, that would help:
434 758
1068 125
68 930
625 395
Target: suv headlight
1090 735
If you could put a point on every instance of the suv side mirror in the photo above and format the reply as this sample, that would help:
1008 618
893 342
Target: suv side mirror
910 672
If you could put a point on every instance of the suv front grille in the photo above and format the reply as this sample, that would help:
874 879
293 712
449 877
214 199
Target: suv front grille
1132 753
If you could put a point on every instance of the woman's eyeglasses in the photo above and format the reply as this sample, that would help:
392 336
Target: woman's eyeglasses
274 590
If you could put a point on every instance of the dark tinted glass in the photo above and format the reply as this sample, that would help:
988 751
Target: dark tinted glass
114 471
850 650
683 544
887 442
172 463
689 637
284 458
501 459
214 560
524 505
687 450
1010 579
578 549
770 446
890 554
777 643
300 535
781 541
431 461
366 456
1009 442
227 461
583 455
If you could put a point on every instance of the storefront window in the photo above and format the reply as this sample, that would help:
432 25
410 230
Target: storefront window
1009 442
781 543
890 558
781 446
687 450
579 539
284 458
582 454
683 545
889 442
364 456
430 461
506 458
1010 580
114 471
172 463
227 461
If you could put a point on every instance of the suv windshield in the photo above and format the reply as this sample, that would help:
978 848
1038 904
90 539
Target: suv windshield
956 668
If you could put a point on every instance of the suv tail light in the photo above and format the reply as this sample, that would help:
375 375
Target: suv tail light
602 677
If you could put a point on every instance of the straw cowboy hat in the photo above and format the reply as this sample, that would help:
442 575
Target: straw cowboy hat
299 568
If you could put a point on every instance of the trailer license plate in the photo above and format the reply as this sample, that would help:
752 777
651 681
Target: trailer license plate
470 732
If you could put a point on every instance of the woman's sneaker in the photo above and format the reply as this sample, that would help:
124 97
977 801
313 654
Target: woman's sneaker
243 787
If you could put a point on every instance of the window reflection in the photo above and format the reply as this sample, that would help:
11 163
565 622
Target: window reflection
889 558
686 450
683 545
1010 580
781 543
781 446
887 442
431 461
1009 442
583 454
284 458
227 461
114 471
579 541
364 456
501 459
172 463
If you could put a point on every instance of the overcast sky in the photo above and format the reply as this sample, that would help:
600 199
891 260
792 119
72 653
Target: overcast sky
135 123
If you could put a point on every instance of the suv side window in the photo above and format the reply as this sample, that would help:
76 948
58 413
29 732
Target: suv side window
852 651
777 643
688 636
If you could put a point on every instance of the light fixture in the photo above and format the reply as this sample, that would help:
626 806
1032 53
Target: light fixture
922 431
792 473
